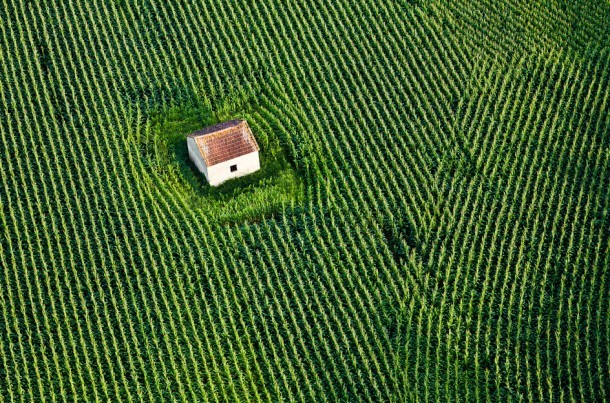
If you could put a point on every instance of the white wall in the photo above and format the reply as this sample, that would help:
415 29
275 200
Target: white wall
196 157
246 164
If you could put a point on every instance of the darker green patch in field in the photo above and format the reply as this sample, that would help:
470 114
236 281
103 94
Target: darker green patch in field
251 197
400 238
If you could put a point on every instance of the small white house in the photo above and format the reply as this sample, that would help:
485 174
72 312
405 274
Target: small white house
224 151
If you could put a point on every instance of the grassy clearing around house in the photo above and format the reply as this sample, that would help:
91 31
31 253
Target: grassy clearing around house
276 186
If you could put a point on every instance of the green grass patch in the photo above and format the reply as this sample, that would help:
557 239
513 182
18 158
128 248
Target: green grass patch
252 197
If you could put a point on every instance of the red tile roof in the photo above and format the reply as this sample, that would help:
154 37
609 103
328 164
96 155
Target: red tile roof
224 141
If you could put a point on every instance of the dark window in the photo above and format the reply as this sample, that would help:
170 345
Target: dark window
233 168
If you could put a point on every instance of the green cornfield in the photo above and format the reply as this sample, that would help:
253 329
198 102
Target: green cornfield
431 223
